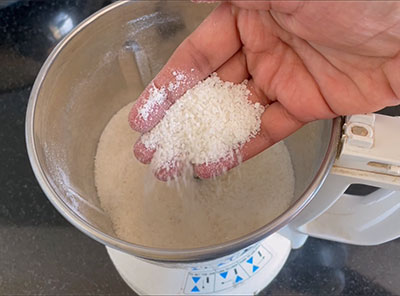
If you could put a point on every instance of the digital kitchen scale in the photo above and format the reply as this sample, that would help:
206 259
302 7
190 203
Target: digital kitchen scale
245 272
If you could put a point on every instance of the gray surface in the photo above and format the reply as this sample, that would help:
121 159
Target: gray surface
41 253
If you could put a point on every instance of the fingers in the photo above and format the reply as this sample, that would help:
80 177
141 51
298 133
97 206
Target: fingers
143 154
172 172
234 70
214 42
276 125
211 170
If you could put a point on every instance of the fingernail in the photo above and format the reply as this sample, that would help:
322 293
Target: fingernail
143 154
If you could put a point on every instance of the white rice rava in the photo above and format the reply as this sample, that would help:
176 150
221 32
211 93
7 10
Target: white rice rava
209 122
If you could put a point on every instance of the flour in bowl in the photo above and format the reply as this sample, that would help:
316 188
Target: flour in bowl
149 212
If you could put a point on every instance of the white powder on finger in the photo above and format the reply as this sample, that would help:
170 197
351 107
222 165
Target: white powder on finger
209 122
200 213
180 80
156 98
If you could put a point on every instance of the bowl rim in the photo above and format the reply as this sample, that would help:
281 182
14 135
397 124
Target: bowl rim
160 254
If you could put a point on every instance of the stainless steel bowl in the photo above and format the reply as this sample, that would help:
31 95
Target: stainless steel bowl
101 66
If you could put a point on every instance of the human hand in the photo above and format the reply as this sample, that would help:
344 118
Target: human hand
307 60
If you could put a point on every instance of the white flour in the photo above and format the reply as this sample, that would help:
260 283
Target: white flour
156 98
204 212
209 122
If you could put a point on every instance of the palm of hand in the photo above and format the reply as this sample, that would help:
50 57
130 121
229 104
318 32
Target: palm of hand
316 70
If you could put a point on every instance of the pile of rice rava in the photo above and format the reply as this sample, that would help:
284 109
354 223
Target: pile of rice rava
210 122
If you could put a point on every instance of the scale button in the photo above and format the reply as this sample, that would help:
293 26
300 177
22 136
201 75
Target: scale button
196 279
256 261
229 278
238 279
199 283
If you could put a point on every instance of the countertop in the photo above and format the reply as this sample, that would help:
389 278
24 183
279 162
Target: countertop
41 253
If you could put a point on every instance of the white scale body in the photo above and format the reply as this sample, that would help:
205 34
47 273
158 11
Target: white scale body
244 272
370 155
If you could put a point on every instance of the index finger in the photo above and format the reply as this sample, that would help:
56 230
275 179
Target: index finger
205 50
